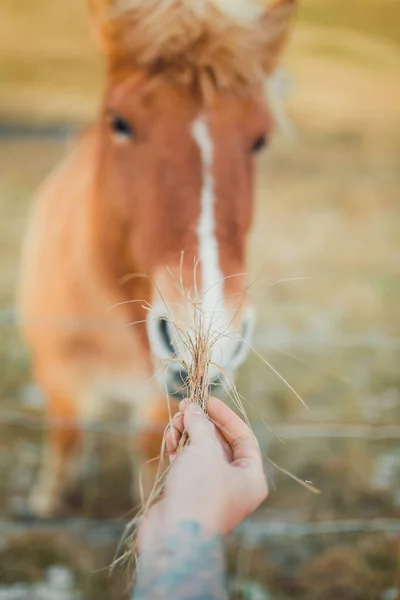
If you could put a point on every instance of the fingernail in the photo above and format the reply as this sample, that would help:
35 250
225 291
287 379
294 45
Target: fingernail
242 463
195 408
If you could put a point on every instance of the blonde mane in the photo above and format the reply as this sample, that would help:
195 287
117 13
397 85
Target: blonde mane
232 43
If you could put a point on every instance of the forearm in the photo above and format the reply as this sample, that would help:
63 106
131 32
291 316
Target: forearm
185 564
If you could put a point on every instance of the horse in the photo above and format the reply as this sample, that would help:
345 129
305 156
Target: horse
158 191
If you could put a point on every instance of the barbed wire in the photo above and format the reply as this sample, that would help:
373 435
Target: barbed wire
42 131
13 418
98 528
255 531
371 431
251 531
266 338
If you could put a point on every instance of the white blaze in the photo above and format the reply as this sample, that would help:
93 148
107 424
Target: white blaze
226 354
212 278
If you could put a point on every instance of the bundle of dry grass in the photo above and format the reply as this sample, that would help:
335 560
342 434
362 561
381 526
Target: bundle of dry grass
197 343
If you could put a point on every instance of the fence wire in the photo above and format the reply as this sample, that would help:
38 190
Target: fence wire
251 532
267 338
372 432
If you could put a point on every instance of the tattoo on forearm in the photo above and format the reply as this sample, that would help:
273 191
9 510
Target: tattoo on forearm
187 566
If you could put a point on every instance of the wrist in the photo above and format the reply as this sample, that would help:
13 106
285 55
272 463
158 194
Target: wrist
208 517
181 561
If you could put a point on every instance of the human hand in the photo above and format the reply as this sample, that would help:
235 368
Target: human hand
217 480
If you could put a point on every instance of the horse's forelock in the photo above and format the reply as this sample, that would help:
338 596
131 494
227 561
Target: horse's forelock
232 44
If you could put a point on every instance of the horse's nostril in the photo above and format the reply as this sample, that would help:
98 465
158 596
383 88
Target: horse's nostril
243 339
238 349
246 328
165 334
243 345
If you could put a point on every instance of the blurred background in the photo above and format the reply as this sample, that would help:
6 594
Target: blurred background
328 211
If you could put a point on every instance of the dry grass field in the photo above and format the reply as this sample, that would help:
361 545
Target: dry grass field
327 212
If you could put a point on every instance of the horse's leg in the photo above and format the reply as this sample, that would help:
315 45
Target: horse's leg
147 446
59 457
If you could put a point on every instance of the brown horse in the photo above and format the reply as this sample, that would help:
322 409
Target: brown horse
159 190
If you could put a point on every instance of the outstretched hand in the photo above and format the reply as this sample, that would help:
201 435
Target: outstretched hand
217 480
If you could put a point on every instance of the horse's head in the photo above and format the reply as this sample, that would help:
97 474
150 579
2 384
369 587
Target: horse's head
183 116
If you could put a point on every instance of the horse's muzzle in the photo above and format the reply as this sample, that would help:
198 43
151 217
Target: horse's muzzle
177 384
171 346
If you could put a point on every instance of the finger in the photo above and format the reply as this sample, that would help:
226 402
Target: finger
227 448
174 433
225 445
246 453
229 423
198 425
183 404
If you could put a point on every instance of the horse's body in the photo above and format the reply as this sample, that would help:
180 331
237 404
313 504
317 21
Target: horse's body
84 353
159 191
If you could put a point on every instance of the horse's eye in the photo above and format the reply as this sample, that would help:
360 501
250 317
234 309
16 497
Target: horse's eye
259 144
121 127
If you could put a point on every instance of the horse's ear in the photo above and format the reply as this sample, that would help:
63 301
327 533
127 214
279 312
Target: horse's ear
103 25
275 21
97 10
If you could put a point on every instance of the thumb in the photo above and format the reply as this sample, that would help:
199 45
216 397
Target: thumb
197 424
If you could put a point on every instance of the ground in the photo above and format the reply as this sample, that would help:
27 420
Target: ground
328 220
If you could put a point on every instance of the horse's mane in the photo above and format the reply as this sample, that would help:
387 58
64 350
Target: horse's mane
232 43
